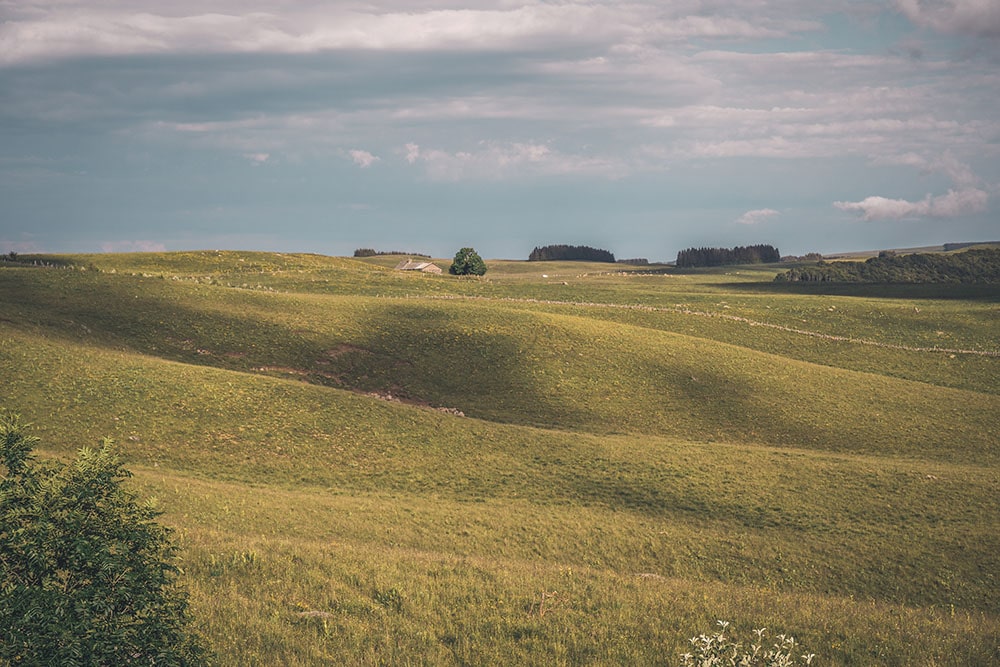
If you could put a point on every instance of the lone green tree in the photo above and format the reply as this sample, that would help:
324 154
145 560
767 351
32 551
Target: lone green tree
87 577
467 263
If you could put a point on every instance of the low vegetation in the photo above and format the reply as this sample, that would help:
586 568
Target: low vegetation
642 452
718 649
87 577
969 266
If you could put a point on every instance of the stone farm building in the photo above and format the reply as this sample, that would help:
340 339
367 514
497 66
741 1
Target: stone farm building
413 265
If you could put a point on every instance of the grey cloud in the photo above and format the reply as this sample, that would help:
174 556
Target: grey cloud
946 163
966 198
537 94
979 18
47 30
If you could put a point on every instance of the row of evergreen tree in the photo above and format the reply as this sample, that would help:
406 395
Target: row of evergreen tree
570 252
371 252
971 266
752 254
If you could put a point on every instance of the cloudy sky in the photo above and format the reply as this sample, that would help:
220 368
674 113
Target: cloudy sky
425 125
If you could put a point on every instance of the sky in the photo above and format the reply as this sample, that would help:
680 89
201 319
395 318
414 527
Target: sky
425 126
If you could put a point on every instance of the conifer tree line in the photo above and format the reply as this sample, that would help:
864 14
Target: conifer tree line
371 252
570 252
752 254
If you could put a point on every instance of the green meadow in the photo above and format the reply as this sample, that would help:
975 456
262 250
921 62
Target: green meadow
559 463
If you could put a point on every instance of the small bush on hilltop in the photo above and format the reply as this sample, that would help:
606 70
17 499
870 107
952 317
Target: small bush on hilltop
86 575
718 649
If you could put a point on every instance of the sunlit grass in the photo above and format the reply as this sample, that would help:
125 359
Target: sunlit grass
624 476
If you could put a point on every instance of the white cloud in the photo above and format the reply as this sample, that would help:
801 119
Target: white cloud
257 159
966 198
412 153
363 159
757 216
492 160
972 17
954 204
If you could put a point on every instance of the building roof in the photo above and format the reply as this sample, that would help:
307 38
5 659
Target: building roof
413 265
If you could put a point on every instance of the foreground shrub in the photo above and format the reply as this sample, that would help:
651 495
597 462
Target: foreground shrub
86 575
718 649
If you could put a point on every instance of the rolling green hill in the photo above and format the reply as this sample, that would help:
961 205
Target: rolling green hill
641 452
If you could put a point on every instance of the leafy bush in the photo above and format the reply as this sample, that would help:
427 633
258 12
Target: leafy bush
718 649
86 576
467 263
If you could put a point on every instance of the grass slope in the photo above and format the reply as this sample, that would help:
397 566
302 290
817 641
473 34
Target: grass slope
624 477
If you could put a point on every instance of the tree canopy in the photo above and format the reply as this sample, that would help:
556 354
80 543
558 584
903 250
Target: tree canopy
468 263
87 577
570 253
970 266
752 254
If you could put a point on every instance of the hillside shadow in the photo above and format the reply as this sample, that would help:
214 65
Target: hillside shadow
424 354
147 317
431 354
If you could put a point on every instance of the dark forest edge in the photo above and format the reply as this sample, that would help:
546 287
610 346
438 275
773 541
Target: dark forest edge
979 266
570 253
753 254
371 252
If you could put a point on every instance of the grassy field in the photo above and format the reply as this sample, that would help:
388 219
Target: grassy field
557 463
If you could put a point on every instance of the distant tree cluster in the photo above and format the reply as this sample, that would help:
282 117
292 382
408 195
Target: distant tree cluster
371 252
570 253
753 254
638 261
971 266
808 257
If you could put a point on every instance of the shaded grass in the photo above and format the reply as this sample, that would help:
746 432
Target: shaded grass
884 525
527 367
